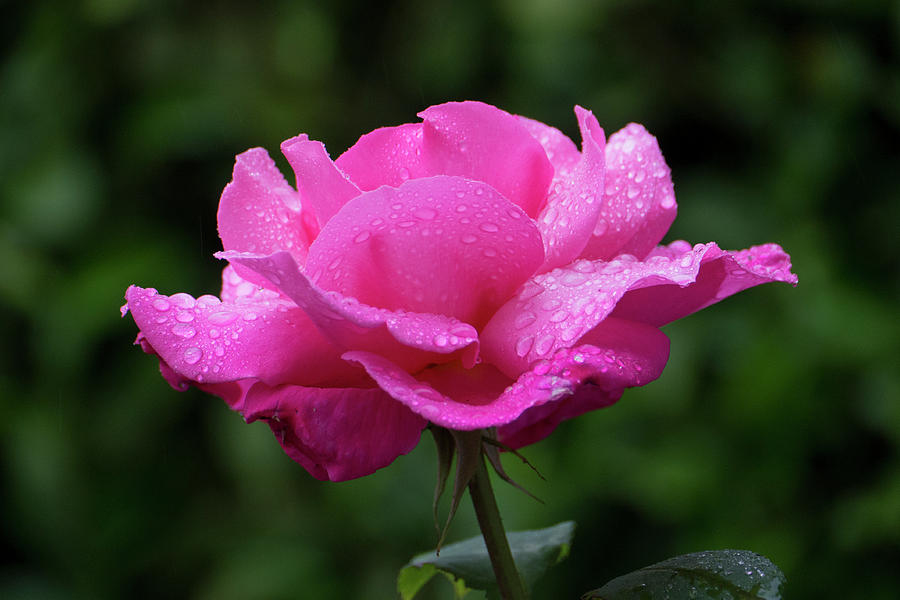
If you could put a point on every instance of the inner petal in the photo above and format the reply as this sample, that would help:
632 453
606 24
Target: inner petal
442 245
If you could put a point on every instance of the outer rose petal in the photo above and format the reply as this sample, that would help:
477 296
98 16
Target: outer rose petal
452 397
334 433
259 211
638 200
721 274
441 245
323 188
482 142
412 339
386 156
560 150
554 310
572 209
207 341
615 355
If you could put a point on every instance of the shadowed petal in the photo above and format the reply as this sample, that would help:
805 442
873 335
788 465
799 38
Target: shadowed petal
442 245
638 198
334 433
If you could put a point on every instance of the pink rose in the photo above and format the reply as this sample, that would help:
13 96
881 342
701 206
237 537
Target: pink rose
473 270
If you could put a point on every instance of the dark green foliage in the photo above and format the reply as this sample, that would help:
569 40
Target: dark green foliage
775 427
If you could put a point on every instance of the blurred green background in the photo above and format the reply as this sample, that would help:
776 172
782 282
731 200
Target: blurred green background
775 428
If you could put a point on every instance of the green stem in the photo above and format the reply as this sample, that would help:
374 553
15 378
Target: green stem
491 525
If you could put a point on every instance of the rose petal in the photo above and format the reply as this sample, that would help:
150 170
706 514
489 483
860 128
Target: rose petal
334 433
616 355
554 310
442 245
626 354
720 274
470 399
638 199
567 220
208 341
323 188
386 156
259 211
482 142
560 150
412 339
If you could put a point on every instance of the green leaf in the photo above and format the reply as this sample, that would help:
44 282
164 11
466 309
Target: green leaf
468 565
711 575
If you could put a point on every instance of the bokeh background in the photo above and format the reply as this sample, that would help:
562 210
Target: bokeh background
775 427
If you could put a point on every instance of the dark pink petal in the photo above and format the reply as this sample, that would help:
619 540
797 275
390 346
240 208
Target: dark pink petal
720 274
259 336
259 211
616 355
442 245
469 399
323 188
554 310
479 141
412 339
561 151
573 207
334 433
638 199
626 354
386 156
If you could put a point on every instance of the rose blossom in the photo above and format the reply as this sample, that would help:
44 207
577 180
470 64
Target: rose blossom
473 270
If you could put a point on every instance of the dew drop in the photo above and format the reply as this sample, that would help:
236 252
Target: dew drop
425 213
161 304
668 201
184 330
214 333
468 239
524 319
543 345
184 317
601 227
632 192
361 237
250 316
440 340
192 355
523 346
222 318
489 227
489 252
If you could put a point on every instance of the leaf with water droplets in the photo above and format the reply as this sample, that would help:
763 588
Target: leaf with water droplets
710 575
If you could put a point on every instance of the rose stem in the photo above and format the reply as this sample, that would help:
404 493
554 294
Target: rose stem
491 525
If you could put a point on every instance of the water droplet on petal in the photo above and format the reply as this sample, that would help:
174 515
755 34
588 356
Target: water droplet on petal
184 317
250 316
161 304
192 355
361 237
222 318
468 239
524 319
523 346
489 227
425 213
184 330
544 345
